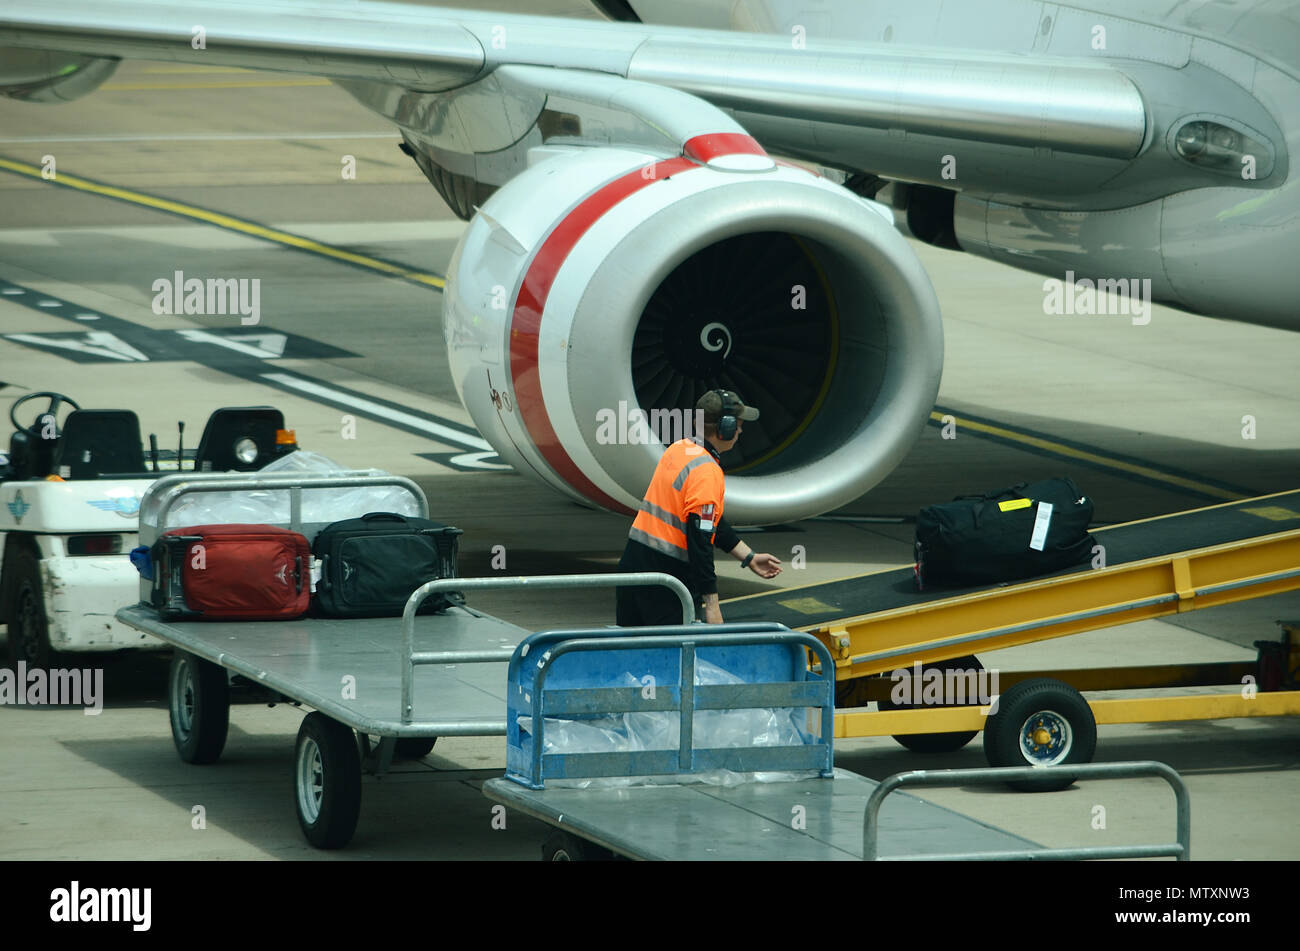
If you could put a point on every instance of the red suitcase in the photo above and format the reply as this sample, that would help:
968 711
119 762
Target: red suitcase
231 572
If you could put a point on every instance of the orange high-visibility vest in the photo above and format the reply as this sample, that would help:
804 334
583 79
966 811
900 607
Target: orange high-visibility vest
688 481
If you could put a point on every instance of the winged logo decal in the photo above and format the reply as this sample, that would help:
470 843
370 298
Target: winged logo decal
125 507
18 507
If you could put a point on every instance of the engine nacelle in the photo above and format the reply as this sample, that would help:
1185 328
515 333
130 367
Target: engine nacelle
604 282
50 77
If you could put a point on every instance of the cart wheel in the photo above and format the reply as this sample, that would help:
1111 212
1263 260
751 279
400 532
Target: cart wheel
29 632
1040 722
327 781
198 699
935 742
563 847
414 747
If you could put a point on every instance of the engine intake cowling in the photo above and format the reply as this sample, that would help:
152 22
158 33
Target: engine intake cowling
604 290
50 77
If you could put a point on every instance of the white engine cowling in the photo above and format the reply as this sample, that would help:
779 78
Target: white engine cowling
603 282
49 77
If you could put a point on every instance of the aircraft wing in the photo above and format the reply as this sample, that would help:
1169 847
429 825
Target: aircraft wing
1076 106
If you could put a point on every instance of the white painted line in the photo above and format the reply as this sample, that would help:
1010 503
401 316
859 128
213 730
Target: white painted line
478 460
98 343
115 344
262 353
406 419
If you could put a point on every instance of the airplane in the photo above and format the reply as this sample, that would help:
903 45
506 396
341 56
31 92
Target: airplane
690 194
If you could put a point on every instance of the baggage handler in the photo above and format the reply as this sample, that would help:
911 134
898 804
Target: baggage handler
680 522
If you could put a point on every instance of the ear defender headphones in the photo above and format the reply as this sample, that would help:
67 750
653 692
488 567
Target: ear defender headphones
727 422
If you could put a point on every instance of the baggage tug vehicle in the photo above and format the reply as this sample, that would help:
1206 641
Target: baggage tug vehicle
70 496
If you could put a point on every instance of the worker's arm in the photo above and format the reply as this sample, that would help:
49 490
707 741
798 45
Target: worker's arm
762 564
726 538
699 548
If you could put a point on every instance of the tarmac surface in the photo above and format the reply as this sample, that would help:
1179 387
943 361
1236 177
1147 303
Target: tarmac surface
1147 419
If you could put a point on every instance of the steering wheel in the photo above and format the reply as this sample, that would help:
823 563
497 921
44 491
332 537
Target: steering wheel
52 409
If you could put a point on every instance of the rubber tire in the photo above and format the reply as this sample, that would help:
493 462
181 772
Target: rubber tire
1002 730
934 742
414 747
29 632
564 847
339 805
203 742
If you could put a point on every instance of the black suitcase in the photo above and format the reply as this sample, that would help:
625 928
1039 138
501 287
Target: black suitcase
370 565
1026 530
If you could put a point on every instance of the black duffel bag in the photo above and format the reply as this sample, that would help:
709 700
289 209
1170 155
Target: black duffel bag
370 565
1027 530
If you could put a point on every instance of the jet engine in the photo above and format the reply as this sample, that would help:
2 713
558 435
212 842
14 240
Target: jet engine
41 76
596 296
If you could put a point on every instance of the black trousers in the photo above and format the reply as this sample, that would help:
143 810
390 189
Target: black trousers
650 605
647 607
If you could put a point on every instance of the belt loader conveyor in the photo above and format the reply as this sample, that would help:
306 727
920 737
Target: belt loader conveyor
1220 554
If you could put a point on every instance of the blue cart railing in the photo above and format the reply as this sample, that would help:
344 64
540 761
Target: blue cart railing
584 674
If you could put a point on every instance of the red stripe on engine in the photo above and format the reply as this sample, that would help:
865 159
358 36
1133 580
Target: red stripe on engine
705 148
525 325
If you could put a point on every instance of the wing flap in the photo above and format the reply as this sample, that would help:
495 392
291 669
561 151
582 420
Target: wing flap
1074 106
1069 105
384 42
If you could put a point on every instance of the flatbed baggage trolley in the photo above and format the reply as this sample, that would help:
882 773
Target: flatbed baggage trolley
357 675
824 814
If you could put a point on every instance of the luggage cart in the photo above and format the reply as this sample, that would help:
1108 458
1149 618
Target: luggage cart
825 814
358 676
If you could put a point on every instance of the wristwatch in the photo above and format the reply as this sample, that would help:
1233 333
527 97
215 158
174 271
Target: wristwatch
748 559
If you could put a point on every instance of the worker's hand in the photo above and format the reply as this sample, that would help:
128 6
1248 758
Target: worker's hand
765 565
712 614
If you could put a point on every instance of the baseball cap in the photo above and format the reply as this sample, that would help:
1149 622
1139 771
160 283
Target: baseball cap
718 403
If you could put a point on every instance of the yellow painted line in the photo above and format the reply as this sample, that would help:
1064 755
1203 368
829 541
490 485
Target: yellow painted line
1274 513
229 223
806 605
220 84
1055 447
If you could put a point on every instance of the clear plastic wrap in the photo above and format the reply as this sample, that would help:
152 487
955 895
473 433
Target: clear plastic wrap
305 461
271 506
660 730
230 508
